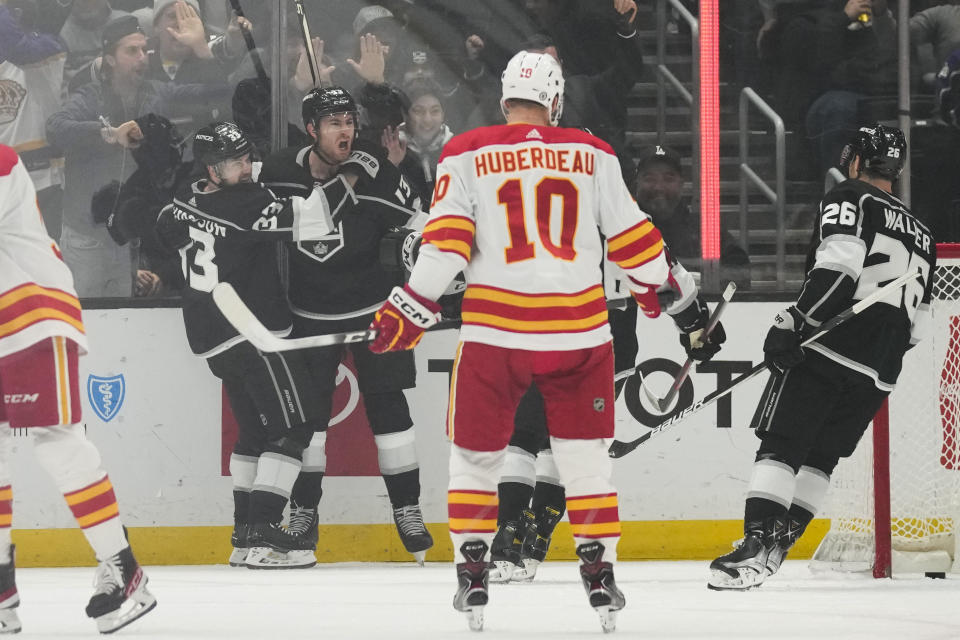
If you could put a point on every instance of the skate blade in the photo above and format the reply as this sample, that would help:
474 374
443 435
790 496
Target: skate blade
9 621
501 571
420 556
608 618
268 558
475 618
747 579
139 604
526 571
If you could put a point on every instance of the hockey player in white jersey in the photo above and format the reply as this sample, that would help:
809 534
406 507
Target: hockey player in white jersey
520 208
41 338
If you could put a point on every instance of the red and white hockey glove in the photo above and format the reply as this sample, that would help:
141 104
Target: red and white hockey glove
651 298
402 319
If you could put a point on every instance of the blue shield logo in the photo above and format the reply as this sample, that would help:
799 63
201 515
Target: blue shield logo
106 395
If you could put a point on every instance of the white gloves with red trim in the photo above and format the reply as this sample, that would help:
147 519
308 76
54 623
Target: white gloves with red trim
402 319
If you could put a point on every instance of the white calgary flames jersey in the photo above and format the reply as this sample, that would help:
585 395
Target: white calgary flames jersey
37 297
520 209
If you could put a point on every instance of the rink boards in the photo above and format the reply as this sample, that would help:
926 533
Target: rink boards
157 414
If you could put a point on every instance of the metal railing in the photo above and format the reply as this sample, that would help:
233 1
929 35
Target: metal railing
776 195
666 77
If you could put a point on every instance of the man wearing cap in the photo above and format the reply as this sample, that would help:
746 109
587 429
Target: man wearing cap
83 33
658 188
95 128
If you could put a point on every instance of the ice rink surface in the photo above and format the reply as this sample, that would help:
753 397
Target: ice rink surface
404 601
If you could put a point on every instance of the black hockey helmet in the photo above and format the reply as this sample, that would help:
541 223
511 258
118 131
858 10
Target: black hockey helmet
325 101
882 151
219 141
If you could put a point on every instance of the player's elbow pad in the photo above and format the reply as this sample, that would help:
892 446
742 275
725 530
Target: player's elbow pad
399 249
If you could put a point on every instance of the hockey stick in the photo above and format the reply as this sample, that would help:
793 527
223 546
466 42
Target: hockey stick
619 449
663 404
246 323
248 40
308 43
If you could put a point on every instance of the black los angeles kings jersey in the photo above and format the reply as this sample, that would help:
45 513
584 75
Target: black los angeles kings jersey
339 278
231 235
864 239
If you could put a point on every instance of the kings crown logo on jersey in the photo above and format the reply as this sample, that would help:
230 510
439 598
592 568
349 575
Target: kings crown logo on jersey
12 94
106 395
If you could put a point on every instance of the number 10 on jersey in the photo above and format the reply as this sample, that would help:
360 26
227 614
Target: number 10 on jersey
510 195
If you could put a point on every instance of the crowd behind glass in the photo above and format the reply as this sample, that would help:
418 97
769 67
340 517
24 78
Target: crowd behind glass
103 120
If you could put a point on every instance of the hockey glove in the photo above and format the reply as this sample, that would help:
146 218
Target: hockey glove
692 323
399 249
653 299
781 349
402 319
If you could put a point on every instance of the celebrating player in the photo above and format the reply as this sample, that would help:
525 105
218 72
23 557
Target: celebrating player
821 397
520 208
41 338
226 228
336 284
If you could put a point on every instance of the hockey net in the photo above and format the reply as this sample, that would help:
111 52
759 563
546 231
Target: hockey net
905 475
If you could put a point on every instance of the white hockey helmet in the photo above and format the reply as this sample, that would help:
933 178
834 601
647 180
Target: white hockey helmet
536 77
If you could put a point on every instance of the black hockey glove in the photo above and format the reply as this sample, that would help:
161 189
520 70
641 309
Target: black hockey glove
399 248
781 349
692 323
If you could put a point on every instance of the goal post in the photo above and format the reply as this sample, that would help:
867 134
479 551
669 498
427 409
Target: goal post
894 506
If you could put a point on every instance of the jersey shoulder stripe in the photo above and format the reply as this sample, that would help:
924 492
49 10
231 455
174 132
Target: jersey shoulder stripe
8 160
511 134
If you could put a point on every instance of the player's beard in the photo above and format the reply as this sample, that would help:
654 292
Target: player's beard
661 206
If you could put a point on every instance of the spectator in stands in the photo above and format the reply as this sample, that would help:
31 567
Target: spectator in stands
934 35
826 64
658 189
31 72
95 128
252 99
83 33
596 102
836 60
426 132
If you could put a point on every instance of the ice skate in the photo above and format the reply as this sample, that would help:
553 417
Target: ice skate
602 591
536 542
304 523
472 594
743 568
121 594
413 533
9 598
238 557
273 547
505 552
786 535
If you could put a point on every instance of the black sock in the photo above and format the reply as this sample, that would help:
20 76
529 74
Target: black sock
547 494
241 507
307 490
514 497
266 507
403 488
758 511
